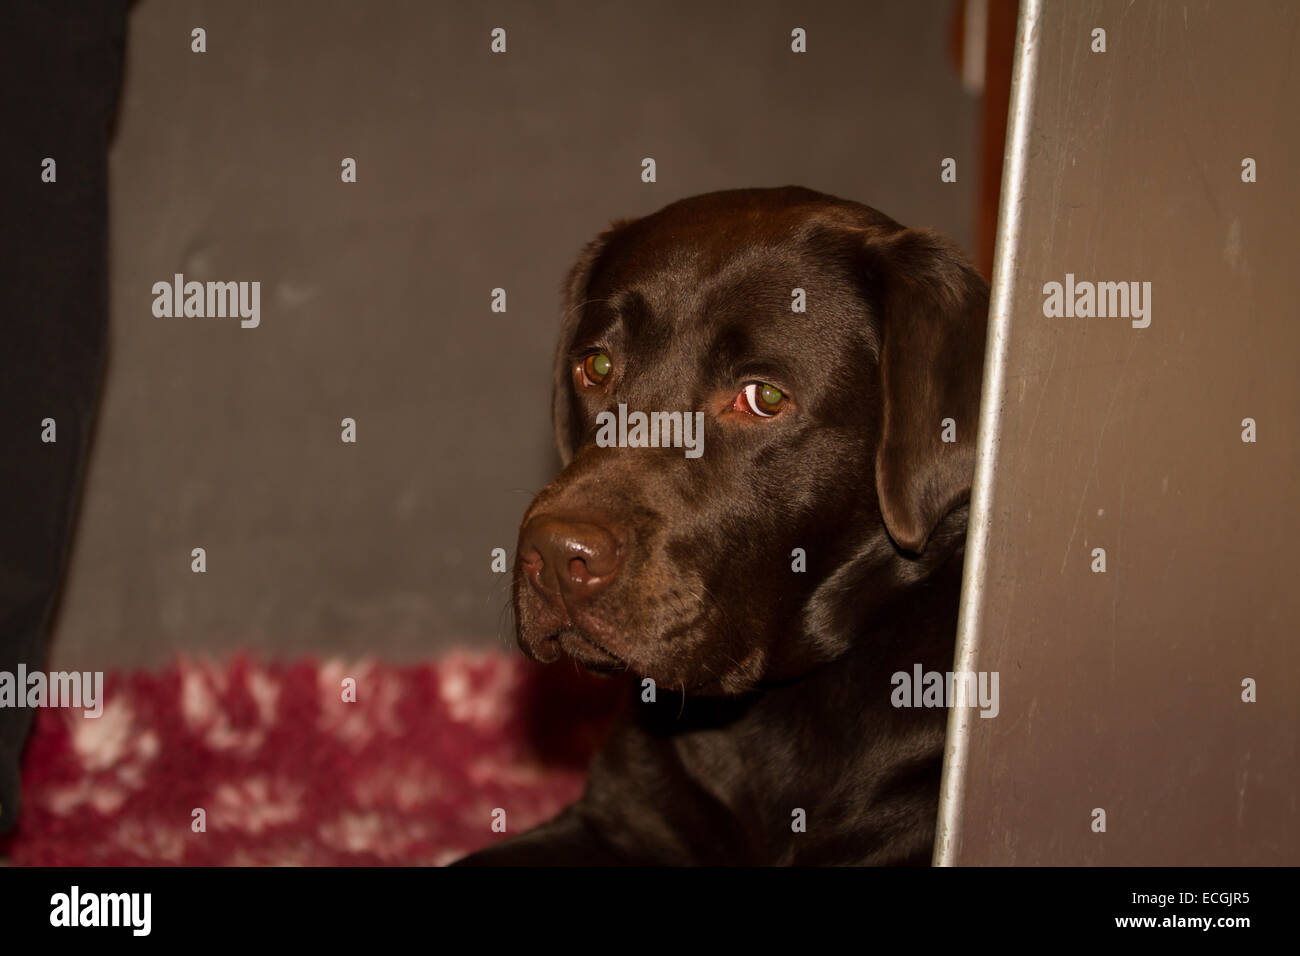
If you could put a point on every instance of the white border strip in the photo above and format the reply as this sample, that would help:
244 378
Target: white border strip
952 791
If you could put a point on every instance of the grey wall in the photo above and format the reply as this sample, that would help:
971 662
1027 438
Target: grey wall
475 171
1123 690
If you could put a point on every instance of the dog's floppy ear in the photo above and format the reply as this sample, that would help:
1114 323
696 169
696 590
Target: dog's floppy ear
933 318
573 297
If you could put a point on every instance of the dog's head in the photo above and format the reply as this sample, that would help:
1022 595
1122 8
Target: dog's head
792 469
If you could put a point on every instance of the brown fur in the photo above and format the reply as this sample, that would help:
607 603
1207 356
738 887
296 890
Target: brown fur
773 686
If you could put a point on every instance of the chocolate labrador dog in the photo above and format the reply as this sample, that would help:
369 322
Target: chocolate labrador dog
766 403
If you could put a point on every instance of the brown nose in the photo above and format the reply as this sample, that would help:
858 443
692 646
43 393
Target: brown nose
568 559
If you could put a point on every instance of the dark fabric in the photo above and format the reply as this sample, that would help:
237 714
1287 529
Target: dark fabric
60 67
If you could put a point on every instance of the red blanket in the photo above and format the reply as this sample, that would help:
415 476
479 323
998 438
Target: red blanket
286 772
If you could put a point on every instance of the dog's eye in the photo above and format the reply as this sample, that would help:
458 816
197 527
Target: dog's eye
596 368
761 399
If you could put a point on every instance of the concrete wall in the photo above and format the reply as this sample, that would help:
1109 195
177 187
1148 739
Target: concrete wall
474 171
1122 690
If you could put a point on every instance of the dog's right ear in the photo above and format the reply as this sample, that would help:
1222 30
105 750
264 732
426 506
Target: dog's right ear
574 295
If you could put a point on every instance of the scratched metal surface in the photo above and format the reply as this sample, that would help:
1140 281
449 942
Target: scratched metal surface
1122 690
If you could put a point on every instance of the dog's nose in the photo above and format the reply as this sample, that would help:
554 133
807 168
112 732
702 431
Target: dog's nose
573 559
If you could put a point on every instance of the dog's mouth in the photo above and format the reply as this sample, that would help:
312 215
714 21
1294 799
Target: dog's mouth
589 653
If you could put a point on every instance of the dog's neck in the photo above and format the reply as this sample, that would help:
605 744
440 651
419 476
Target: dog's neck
830 742
918 626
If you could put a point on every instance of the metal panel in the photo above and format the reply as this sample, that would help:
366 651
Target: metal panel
1121 689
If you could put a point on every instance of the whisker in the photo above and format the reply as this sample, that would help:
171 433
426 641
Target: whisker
582 305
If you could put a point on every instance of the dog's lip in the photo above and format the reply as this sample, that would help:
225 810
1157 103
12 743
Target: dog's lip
589 652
